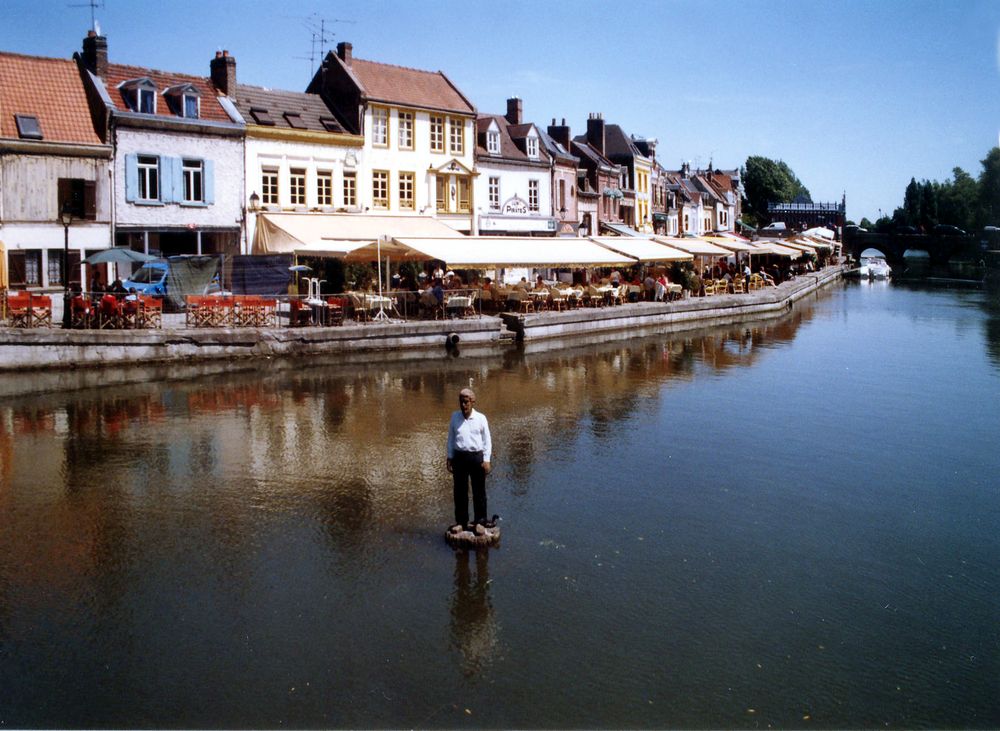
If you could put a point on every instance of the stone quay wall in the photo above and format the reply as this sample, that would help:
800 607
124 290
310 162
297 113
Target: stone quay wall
24 350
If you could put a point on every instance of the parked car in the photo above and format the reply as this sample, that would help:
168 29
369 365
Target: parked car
776 226
149 279
943 229
157 277
907 230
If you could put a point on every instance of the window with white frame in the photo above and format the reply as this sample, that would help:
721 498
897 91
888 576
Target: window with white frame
494 193
493 142
437 133
324 187
191 106
269 186
193 172
533 196
380 127
456 136
406 185
297 186
406 130
149 177
380 189
350 189
146 101
532 147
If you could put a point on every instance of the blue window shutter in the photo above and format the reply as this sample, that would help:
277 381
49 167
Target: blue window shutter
131 178
177 180
209 182
166 180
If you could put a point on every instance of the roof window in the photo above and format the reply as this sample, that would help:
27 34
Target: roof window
294 120
330 124
28 127
261 116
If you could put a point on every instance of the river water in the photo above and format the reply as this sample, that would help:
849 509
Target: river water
789 523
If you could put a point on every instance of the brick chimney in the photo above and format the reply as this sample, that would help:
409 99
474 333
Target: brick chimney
686 170
223 68
560 133
514 110
345 50
595 131
95 54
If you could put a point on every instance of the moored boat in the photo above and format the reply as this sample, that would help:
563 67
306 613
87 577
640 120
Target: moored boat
874 265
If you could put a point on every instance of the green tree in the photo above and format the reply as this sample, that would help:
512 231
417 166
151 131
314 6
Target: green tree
958 200
989 190
911 203
928 205
769 181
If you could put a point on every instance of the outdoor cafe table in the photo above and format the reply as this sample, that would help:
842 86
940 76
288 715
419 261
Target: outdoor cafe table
457 305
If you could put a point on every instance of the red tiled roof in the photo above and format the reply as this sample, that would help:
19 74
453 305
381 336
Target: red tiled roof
51 90
409 87
211 110
509 149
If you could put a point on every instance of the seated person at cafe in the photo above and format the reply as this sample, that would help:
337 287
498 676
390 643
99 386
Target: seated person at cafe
117 288
523 284
438 291
487 285
616 278
540 284
661 287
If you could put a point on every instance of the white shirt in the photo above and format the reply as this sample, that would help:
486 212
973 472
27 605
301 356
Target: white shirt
469 435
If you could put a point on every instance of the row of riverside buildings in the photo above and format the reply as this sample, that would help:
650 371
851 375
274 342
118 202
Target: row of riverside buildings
168 163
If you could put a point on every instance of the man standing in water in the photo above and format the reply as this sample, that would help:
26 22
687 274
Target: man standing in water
469 452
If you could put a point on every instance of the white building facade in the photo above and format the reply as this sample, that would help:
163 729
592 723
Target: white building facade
513 188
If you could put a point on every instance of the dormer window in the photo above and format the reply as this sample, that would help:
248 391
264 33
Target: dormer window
493 142
140 94
184 100
28 127
532 144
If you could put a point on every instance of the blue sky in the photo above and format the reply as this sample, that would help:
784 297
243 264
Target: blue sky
856 97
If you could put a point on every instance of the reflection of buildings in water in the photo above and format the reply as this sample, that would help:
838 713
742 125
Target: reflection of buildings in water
300 433
474 629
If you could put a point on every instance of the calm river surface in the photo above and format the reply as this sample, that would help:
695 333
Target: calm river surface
789 524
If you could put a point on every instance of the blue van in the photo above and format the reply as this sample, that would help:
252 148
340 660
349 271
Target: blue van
149 279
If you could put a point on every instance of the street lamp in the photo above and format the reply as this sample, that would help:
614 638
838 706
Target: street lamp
254 201
66 217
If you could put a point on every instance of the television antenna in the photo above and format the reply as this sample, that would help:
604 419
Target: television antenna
94 5
320 37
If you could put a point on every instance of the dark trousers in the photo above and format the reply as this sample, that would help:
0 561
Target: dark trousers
466 466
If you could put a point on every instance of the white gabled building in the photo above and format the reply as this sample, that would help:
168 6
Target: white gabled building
419 136
178 167
513 190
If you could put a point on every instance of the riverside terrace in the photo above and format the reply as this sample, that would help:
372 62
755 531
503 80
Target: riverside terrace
179 338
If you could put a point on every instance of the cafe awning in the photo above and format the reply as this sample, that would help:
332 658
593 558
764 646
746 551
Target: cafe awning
698 247
621 229
727 242
286 233
643 249
481 252
770 247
